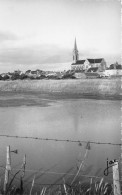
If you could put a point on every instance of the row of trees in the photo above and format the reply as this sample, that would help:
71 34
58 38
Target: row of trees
115 66
13 77
43 75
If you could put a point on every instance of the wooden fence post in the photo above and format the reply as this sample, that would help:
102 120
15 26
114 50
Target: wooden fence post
8 168
116 179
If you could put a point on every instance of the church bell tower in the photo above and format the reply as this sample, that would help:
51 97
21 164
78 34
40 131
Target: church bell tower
75 53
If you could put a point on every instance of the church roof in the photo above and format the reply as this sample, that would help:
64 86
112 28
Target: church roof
98 60
79 62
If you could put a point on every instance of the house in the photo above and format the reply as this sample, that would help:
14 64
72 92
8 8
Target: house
93 73
113 72
97 62
18 72
31 73
28 73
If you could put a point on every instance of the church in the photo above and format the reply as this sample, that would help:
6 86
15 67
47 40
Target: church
84 65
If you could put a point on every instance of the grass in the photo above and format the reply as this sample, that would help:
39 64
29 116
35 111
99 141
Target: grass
78 188
95 88
62 186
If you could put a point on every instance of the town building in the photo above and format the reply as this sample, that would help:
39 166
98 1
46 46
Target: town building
96 63
85 64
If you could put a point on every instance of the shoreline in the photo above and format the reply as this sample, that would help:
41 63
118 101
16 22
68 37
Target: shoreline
99 89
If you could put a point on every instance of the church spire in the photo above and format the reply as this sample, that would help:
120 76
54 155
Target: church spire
75 45
75 52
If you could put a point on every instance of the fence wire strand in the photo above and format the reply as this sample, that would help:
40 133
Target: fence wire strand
61 140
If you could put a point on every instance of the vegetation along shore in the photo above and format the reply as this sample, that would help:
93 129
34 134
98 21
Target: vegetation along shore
69 88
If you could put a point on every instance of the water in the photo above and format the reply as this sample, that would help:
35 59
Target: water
80 119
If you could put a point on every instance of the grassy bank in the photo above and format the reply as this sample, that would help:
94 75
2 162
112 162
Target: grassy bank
96 88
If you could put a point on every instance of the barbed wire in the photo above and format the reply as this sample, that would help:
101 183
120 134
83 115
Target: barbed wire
60 173
69 174
56 184
61 140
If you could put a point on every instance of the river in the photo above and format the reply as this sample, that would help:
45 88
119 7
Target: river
72 119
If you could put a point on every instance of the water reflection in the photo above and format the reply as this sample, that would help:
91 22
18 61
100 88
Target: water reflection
70 119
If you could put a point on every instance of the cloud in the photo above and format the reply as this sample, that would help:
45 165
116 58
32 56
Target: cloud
35 55
25 57
7 36
45 57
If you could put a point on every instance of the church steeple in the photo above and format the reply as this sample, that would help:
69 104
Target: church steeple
75 53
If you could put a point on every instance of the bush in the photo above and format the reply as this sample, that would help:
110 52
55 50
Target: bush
6 77
68 75
23 76
1 78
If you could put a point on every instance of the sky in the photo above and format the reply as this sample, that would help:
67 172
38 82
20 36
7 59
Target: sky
41 33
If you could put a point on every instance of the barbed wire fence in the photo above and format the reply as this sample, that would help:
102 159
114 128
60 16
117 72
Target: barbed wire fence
62 140
79 142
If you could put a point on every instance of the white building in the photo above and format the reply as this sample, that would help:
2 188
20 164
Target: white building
77 65
97 62
82 65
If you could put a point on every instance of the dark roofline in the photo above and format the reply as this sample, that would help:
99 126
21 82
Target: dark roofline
79 62
96 60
